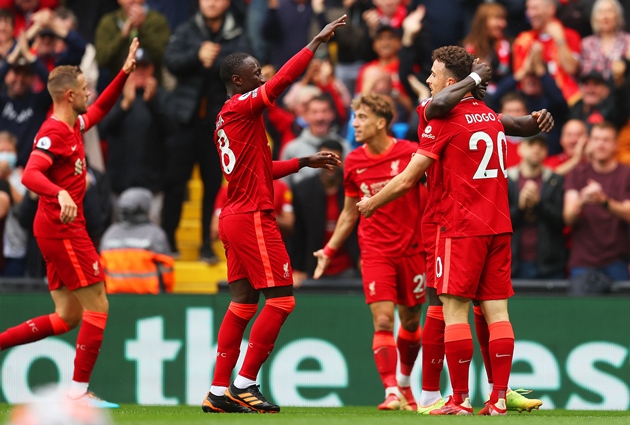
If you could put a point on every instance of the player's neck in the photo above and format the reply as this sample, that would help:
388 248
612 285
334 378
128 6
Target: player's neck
65 114
379 144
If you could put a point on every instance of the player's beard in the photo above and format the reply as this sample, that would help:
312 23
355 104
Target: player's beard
82 109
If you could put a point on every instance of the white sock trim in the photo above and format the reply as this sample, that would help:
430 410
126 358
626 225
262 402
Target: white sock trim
241 382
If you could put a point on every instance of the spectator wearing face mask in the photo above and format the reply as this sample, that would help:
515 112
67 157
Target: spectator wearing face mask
15 236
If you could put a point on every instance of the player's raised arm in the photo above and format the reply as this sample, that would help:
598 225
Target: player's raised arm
112 92
327 160
397 186
291 70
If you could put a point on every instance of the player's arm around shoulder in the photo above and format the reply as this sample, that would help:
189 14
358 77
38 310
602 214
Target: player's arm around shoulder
528 125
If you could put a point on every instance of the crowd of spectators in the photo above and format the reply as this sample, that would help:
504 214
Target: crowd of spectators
569 189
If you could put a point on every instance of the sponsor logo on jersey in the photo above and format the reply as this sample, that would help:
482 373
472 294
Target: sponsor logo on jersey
79 165
427 133
44 143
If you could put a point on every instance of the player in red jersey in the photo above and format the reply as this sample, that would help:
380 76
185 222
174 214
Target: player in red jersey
56 171
473 223
391 247
256 256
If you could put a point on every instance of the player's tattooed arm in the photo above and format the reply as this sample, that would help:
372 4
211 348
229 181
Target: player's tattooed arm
450 96
529 125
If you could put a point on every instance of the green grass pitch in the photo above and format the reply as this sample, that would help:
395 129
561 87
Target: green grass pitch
184 415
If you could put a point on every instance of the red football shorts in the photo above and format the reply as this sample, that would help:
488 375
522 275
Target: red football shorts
475 267
400 280
430 236
254 250
73 263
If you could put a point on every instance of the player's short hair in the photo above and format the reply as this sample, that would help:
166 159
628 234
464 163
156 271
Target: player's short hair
231 65
457 60
379 105
62 78
330 145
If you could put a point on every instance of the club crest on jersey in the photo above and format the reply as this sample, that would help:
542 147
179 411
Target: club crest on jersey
285 267
95 267
44 143
395 165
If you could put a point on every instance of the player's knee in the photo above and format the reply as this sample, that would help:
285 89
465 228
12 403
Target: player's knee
384 322
286 304
410 324
70 317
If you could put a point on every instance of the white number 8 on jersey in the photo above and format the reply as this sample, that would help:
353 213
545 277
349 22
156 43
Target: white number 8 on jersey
226 152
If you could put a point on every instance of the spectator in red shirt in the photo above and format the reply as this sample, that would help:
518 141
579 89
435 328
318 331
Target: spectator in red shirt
560 46
573 140
23 11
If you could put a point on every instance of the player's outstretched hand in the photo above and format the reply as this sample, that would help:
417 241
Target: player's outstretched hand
323 261
544 120
327 33
364 207
327 160
130 63
68 207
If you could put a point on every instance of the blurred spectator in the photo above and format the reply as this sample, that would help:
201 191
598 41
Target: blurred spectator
23 111
560 46
89 14
116 30
45 32
288 25
317 202
576 14
539 89
573 141
597 207
448 21
23 11
353 43
390 13
7 23
194 55
319 116
486 40
175 12
599 101
136 130
320 74
134 252
254 20
89 67
415 56
15 236
386 44
609 43
536 198
513 104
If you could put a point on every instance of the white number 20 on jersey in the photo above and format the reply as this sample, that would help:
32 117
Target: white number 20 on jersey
228 159
483 172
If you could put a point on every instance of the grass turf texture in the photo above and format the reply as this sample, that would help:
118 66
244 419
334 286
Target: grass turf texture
183 415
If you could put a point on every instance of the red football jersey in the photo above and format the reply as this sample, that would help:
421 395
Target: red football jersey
471 146
394 229
434 174
64 145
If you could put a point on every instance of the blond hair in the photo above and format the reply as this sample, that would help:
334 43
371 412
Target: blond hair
379 105
61 79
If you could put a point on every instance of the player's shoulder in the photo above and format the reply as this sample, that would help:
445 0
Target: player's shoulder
355 156
51 134
406 145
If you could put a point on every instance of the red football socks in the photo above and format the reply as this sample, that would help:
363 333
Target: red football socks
264 333
385 357
229 340
483 338
33 330
458 346
89 343
432 349
501 350
408 348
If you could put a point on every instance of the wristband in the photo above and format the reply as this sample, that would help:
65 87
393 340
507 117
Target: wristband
475 77
329 251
